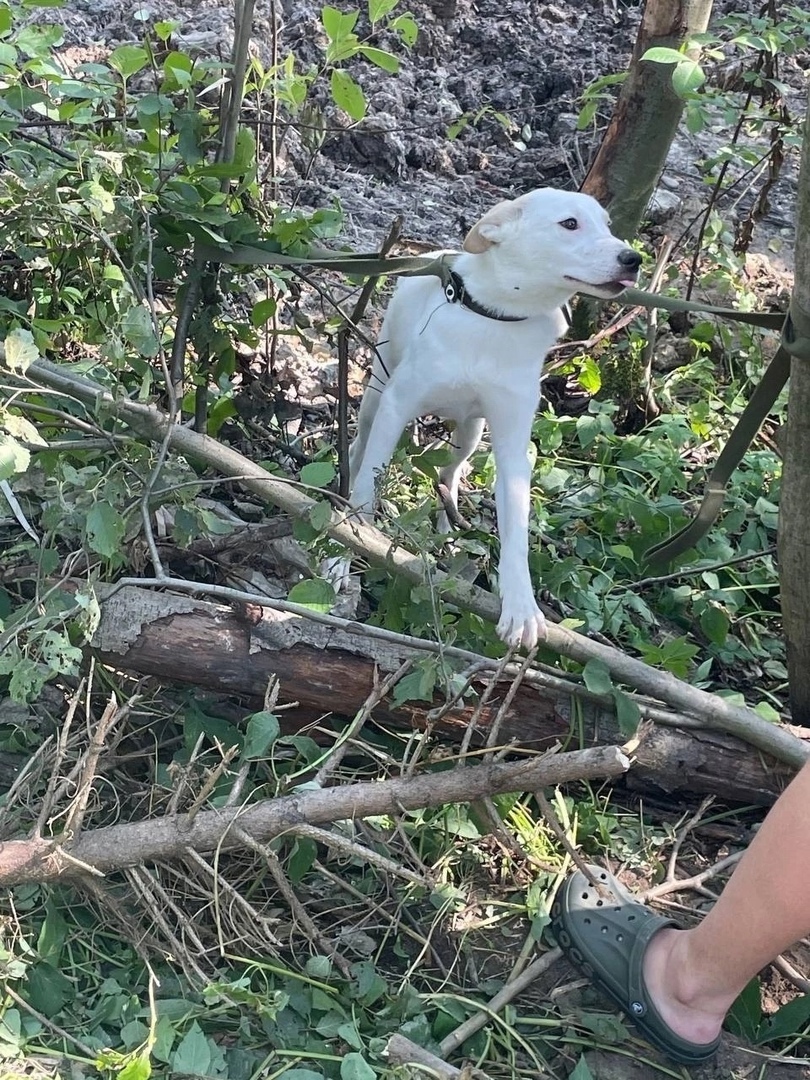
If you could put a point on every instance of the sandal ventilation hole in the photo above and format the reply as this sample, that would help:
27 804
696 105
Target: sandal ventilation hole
587 921
603 929
600 903
620 937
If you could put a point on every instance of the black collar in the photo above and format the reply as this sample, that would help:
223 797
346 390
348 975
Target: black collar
455 292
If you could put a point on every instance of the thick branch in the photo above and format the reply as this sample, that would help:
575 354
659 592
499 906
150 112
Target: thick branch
365 540
119 846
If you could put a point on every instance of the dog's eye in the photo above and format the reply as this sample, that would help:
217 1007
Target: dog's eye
570 223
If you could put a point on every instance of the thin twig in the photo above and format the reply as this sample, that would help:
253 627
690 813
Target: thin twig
297 909
112 714
515 986
212 780
693 882
682 835
345 846
46 1022
381 690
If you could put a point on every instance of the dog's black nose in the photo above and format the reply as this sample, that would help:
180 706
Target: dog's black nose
629 258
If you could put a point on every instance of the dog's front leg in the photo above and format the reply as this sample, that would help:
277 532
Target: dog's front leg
521 621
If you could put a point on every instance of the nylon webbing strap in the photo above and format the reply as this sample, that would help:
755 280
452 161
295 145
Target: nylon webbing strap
365 264
743 434
795 343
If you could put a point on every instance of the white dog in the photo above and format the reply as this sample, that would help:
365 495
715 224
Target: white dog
473 350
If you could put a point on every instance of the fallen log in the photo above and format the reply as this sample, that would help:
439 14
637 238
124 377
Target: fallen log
329 670
115 847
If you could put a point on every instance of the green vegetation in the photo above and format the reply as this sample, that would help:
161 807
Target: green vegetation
299 959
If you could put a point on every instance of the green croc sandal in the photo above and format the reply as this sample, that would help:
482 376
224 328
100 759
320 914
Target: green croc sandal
606 936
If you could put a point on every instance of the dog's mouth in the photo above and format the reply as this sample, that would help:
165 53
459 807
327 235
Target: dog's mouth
603 289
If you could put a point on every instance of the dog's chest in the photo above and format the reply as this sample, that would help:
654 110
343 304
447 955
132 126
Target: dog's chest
465 384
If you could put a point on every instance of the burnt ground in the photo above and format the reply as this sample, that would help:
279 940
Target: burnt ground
525 59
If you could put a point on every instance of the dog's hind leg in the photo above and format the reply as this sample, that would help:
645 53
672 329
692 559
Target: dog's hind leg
463 442
394 411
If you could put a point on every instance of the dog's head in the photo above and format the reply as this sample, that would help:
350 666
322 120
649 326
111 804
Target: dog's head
556 239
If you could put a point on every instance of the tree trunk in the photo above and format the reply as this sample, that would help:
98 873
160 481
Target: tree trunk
794 533
214 647
635 147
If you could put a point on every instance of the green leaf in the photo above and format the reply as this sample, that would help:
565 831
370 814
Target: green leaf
193 1054
628 713
104 530
39 40
745 1015
318 473
688 77
715 623
140 1068
581 1070
263 311
385 60
48 990
20 350
320 515
768 712
304 854
319 967
138 328
53 934
661 55
261 732
589 376
26 684
417 685
596 676
177 69
128 59
369 986
378 9
315 593
97 199
348 95
6 19
337 24
787 1022
406 27
14 458
355 1067
165 28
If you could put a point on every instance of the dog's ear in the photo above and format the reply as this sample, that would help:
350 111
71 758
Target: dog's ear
487 231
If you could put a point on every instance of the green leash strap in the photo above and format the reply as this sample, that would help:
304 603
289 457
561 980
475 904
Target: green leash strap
795 344
768 320
363 264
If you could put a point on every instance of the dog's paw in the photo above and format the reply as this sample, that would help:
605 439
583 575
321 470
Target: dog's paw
337 571
522 624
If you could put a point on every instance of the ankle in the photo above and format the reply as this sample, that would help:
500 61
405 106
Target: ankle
685 993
